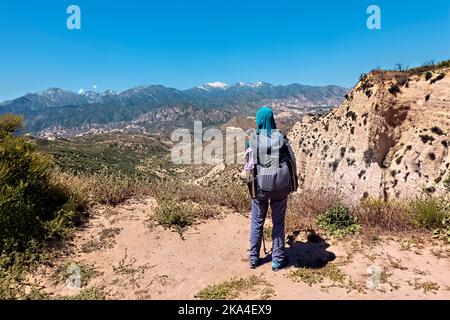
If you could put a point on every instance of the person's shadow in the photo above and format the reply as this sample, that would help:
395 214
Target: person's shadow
311 254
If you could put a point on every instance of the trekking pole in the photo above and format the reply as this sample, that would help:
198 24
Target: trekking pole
264 246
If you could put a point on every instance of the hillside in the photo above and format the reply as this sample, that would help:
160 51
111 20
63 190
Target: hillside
390 138
114 153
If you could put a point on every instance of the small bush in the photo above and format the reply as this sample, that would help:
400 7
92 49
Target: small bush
233 196
443 233
12 275
195 193
95 293
304 208
107 188
376 215
174 215
338 222
9 123
429 212
315 276
114 189
428 75
231 289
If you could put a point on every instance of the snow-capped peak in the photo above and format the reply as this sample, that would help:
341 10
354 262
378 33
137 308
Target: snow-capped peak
214 85
251 85
89 94
109 93
51 91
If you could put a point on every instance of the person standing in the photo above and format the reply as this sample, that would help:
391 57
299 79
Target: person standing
271 171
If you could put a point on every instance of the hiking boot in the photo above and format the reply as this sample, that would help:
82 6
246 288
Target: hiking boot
254 264
277 266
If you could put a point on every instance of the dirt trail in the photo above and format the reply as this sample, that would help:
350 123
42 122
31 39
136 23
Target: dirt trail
139 262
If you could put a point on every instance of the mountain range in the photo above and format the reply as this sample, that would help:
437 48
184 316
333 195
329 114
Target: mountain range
54 111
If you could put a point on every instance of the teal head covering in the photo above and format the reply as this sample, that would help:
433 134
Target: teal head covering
265 120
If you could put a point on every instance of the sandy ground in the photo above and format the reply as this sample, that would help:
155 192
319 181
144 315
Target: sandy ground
137 261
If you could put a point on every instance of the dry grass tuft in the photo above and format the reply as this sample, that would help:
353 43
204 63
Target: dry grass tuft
304 208
379 216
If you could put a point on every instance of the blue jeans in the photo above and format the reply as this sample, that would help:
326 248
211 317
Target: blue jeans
260 205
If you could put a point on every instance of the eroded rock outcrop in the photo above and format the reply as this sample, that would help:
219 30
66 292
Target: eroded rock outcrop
390 138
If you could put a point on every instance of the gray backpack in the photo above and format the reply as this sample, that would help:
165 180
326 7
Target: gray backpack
275 167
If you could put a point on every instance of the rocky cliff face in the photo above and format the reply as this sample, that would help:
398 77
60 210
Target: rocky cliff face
390 138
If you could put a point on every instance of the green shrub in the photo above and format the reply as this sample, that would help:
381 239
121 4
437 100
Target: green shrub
428 67
233 196
338 221
312 276
32 207
231 289
9 123
443 233
174 215
95 293
115 189
429 212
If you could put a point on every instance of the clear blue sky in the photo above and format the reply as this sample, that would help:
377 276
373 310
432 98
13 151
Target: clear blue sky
181 43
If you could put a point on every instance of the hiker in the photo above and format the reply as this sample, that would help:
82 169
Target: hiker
271 176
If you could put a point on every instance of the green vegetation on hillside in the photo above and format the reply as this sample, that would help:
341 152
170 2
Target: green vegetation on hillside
430 66
109 153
